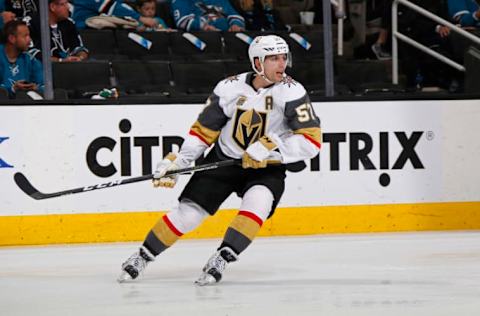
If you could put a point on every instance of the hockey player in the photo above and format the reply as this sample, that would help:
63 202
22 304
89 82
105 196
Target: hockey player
259 117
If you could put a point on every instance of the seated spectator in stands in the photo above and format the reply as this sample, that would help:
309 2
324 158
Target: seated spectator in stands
19 71
5 16
259 15
465 12
206 15
148 8
417 65
85 9
381 47
65 43
20 9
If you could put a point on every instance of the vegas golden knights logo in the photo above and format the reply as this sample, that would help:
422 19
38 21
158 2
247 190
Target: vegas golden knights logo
248 127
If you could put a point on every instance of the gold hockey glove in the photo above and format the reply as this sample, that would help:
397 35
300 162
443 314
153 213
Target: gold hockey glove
257 153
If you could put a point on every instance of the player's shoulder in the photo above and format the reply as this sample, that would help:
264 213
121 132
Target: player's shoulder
290 89
231 84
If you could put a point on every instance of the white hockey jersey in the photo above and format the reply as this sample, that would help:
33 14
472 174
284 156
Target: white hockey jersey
236 115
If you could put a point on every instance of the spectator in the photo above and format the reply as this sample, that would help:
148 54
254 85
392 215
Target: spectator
5 16
259 15
419 67
20 9
148 8
206 15
65 41
85 9
381 47
464 12
19 71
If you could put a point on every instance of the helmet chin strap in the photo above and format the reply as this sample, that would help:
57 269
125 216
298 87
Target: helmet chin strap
262 74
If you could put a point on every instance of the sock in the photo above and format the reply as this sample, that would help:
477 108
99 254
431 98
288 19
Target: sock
241 231
162 236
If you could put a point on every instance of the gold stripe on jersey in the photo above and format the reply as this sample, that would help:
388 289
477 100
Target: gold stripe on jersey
314 133
245 226
206 134
166 235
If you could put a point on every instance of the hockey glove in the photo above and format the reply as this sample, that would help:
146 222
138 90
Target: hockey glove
167 164
257 153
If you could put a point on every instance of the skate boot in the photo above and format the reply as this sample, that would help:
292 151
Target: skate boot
212 271
135 265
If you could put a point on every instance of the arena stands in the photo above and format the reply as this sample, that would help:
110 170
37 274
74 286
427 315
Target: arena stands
176 63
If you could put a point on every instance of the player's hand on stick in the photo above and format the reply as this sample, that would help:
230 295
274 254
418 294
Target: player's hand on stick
257 153
167 164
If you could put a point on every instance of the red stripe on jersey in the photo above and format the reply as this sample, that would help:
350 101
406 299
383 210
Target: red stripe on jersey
199 136
252 216
170 225
313 141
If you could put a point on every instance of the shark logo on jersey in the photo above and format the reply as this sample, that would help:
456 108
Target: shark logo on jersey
248 127
14 70
211 12
57 40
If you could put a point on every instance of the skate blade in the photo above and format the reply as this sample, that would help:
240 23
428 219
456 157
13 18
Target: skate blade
205 279
124 277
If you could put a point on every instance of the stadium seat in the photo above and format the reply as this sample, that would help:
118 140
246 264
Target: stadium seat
3 94
310 74
183 49
137 78
101 44
365 76
158 51
197 78
237 67
235 48
472 74
83 78
299 53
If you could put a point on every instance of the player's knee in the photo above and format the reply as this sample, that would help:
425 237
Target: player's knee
187 216
258 200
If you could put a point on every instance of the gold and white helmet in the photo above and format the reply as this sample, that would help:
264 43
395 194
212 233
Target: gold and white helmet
267 45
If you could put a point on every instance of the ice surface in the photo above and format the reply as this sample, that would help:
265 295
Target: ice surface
358 274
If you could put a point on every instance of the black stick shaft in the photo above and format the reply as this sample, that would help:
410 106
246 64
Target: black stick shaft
30 190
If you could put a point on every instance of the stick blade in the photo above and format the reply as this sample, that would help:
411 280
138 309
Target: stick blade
23 183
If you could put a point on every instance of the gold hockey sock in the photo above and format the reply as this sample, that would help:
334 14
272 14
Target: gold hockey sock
242 231
162 236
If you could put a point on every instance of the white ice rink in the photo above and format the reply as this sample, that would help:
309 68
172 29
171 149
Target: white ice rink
377 274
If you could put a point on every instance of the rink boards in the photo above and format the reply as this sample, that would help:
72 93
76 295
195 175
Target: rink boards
384 166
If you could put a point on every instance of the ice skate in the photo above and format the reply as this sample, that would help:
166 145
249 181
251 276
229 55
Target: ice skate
135 265
213 270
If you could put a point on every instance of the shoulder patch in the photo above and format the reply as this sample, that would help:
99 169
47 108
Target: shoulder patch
289 81
232 79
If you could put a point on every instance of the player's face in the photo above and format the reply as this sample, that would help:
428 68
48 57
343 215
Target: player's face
60 9
148 9
275 66
22 39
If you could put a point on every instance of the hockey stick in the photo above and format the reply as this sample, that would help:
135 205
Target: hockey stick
31 191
